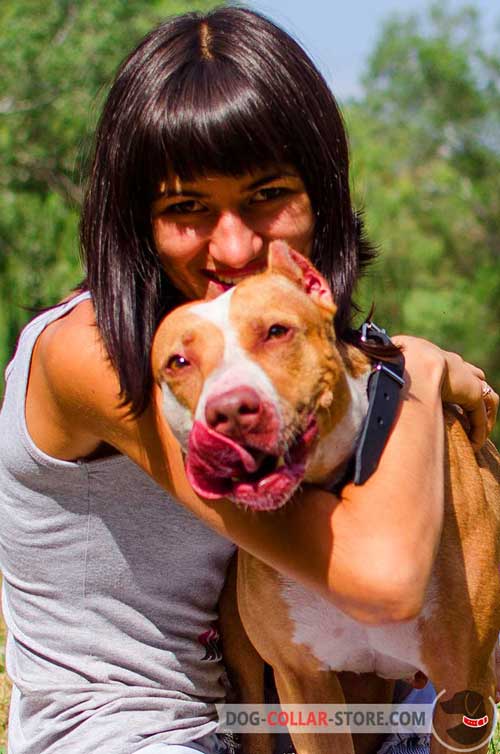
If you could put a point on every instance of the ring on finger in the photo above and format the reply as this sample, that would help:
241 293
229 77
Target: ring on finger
487 389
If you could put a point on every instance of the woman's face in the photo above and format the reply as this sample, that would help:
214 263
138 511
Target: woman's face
213 231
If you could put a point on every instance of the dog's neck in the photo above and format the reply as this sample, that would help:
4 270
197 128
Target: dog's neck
328 463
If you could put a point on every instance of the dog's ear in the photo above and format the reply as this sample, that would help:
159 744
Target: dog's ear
286 261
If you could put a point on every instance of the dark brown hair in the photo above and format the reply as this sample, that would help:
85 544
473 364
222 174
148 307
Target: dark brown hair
226 92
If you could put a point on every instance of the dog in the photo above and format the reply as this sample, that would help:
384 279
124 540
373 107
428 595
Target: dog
252 433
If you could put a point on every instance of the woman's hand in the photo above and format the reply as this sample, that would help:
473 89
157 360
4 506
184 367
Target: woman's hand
465 385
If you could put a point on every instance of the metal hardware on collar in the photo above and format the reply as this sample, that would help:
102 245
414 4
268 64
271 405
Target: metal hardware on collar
384 391
370 330
383 365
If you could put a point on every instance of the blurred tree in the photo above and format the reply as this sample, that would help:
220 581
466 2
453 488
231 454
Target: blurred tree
56 61
426 147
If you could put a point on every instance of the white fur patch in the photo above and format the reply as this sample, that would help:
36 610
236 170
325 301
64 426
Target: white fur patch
236 368
339 642
178 416
339 445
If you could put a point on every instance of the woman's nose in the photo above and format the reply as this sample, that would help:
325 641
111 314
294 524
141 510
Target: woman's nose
233 241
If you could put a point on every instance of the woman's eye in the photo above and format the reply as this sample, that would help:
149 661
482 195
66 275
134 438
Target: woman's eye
268 194
177 362
189 207
277 331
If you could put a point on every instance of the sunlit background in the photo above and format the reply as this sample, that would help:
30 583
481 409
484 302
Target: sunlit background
340 35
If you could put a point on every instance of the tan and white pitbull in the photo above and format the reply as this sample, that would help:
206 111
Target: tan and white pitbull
262 398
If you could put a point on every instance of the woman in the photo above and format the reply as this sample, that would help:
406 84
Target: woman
218 136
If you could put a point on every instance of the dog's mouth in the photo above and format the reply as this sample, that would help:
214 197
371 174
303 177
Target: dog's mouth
217 466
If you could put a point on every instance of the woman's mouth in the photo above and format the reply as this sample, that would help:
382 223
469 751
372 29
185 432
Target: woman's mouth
229 278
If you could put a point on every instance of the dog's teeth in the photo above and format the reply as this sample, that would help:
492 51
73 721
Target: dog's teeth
280 462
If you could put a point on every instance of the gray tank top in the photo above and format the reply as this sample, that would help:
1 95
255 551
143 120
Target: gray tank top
110 592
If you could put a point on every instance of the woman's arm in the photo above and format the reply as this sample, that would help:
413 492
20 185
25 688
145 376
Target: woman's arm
370 552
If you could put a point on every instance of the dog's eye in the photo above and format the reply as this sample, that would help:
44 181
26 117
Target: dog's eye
277 331
177 362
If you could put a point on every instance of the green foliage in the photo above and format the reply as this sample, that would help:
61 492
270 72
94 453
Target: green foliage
426 146
56 62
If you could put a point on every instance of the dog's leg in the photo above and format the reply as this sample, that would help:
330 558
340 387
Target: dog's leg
244 666
321 687
366 688
460 630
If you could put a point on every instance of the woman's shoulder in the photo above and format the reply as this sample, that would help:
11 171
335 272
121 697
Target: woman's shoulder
65 345
69 377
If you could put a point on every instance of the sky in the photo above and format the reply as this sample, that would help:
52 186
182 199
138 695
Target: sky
340 34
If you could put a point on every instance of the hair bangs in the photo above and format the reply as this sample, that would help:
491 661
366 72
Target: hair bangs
225 93
217 123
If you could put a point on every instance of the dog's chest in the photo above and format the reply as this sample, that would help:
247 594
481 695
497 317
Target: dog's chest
338 642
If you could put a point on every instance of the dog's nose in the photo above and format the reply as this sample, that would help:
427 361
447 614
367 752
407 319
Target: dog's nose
233 413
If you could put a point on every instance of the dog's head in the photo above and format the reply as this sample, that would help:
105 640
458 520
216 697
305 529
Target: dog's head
252 380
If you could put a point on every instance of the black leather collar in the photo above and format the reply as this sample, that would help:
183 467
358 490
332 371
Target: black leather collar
384 393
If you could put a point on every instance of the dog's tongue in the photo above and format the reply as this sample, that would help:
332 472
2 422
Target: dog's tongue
207 448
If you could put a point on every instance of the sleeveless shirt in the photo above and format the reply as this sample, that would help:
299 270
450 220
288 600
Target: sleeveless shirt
110 591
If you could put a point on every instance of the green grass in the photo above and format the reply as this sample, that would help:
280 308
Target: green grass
4 691
494 747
